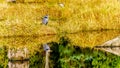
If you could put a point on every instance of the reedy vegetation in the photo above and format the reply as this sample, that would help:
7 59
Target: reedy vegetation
24 16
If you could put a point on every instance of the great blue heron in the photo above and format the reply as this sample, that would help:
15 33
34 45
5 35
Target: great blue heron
47 50
45 19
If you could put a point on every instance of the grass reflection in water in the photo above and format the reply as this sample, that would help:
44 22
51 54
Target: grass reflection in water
66 51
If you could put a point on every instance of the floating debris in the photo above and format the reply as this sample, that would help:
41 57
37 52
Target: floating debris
61 4
112 46
18 54
18 64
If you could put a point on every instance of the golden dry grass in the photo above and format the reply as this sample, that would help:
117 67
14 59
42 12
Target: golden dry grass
92 38
24 17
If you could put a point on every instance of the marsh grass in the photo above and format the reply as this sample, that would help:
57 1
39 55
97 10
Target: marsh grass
24 16
92 38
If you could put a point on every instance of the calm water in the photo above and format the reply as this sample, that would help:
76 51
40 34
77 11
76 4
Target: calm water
34 47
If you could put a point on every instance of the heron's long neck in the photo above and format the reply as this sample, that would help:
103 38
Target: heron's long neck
47 59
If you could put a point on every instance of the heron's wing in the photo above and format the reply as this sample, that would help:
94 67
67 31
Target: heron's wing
45 21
